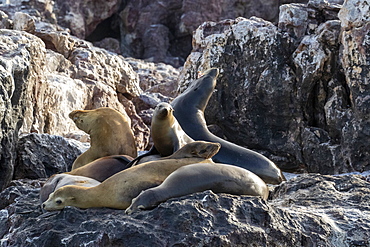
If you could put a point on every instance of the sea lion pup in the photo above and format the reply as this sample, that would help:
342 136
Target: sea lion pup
220 178
119 190
110 133
102 168
189 111
166 132
57 181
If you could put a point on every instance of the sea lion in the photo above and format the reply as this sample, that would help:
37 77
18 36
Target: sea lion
166 132
59 180
110 133
119 190
102 168
220 178
189 111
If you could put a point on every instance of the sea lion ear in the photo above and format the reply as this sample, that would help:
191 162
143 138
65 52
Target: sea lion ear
72 198
141 207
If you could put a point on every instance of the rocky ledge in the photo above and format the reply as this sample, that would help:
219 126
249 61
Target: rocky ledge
308 210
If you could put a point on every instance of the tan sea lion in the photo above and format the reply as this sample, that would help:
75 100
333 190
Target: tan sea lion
59 180
119 190
166 132
103 168
110 133
220 178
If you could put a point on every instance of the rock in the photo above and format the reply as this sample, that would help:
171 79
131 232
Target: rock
80 17
20 66
289 92
149 100
5 22
297 214
156 77
109 44
161 31
42 155
42 10
141 129
23 22
355 61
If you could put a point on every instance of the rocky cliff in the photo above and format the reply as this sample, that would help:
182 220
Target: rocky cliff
293 86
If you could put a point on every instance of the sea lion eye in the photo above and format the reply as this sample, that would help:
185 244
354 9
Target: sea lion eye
58 201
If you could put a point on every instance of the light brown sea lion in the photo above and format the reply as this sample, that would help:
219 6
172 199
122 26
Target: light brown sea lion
110 133
119 190
103 168
59 180
166 132
220 178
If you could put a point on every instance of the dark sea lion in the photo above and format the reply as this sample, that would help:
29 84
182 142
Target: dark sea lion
118 190
220 178
102 168
59 180
189 111
110 134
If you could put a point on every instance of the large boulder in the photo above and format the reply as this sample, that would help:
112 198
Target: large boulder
294 92
43 155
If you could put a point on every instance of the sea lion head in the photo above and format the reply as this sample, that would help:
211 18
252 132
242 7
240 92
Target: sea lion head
162 111
145 200
83 119
196 149
60 198
199 91
100 118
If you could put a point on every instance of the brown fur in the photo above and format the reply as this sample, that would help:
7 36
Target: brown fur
102 168
166 132
118 190
110 133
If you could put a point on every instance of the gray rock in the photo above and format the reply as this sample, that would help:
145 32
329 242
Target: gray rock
19 58
42 155
309 210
